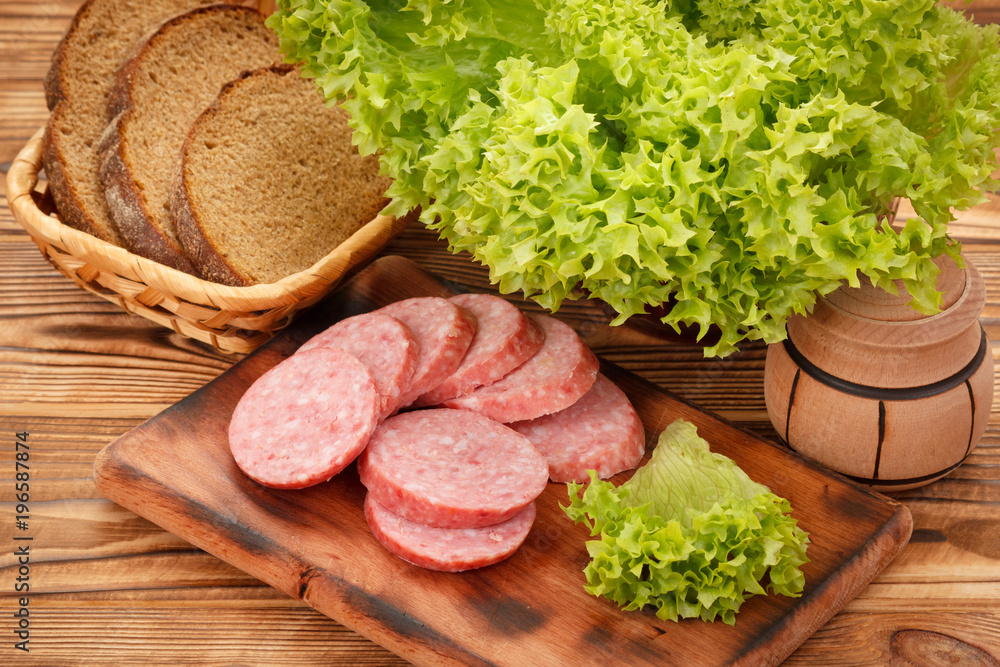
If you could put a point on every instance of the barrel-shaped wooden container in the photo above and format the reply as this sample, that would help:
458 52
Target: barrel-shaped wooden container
872 389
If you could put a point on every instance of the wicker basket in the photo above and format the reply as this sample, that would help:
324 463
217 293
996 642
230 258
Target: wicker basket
231 319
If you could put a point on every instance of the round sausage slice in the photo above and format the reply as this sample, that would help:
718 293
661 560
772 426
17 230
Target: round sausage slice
447 549
504 340
599 432
443 332
383 344
451 468
304 420
561 372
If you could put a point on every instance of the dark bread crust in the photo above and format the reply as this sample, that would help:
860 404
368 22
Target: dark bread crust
70 208
52 85
54 93
68 205
120 95
127 206
211 263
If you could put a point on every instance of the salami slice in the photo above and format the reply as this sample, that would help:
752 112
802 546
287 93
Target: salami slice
553 379
443 332
304 420
504 340
383 344
599 432
451 468
447 549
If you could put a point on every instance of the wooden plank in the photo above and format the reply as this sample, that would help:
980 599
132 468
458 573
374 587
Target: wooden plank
937 636
972 596
136 633
83 353
228 632
981 11
976 224
29 31
194 489
24 112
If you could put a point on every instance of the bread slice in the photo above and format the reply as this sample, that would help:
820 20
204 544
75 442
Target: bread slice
167 81
270 182
76 89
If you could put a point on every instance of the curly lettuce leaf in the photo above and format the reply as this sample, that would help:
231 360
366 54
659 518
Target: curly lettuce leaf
690 534
729 160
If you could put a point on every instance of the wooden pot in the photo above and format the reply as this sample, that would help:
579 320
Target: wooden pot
872 389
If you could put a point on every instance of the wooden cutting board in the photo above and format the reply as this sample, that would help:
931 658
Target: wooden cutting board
313 544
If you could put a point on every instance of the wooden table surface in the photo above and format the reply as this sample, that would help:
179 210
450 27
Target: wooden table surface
108 587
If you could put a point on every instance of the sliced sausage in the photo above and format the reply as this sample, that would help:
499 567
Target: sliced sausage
447 549
305 419
383 344
443 332
599 432
504 340
451 468
561 372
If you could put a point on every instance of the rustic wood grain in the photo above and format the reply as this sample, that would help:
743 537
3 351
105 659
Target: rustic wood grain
133 633
944 589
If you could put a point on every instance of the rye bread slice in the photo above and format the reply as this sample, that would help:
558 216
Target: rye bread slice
76 90
270 182
167 81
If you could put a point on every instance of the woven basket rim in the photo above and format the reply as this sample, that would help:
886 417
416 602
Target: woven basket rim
22 179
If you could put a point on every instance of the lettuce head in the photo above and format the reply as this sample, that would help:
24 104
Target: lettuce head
723 161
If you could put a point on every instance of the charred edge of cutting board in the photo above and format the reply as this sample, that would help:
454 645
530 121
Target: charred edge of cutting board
108 467
869 559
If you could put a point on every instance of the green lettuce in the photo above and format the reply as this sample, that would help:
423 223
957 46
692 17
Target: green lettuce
723 161
690 534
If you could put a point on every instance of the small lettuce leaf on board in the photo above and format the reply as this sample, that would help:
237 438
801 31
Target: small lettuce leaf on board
690 534
724 162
